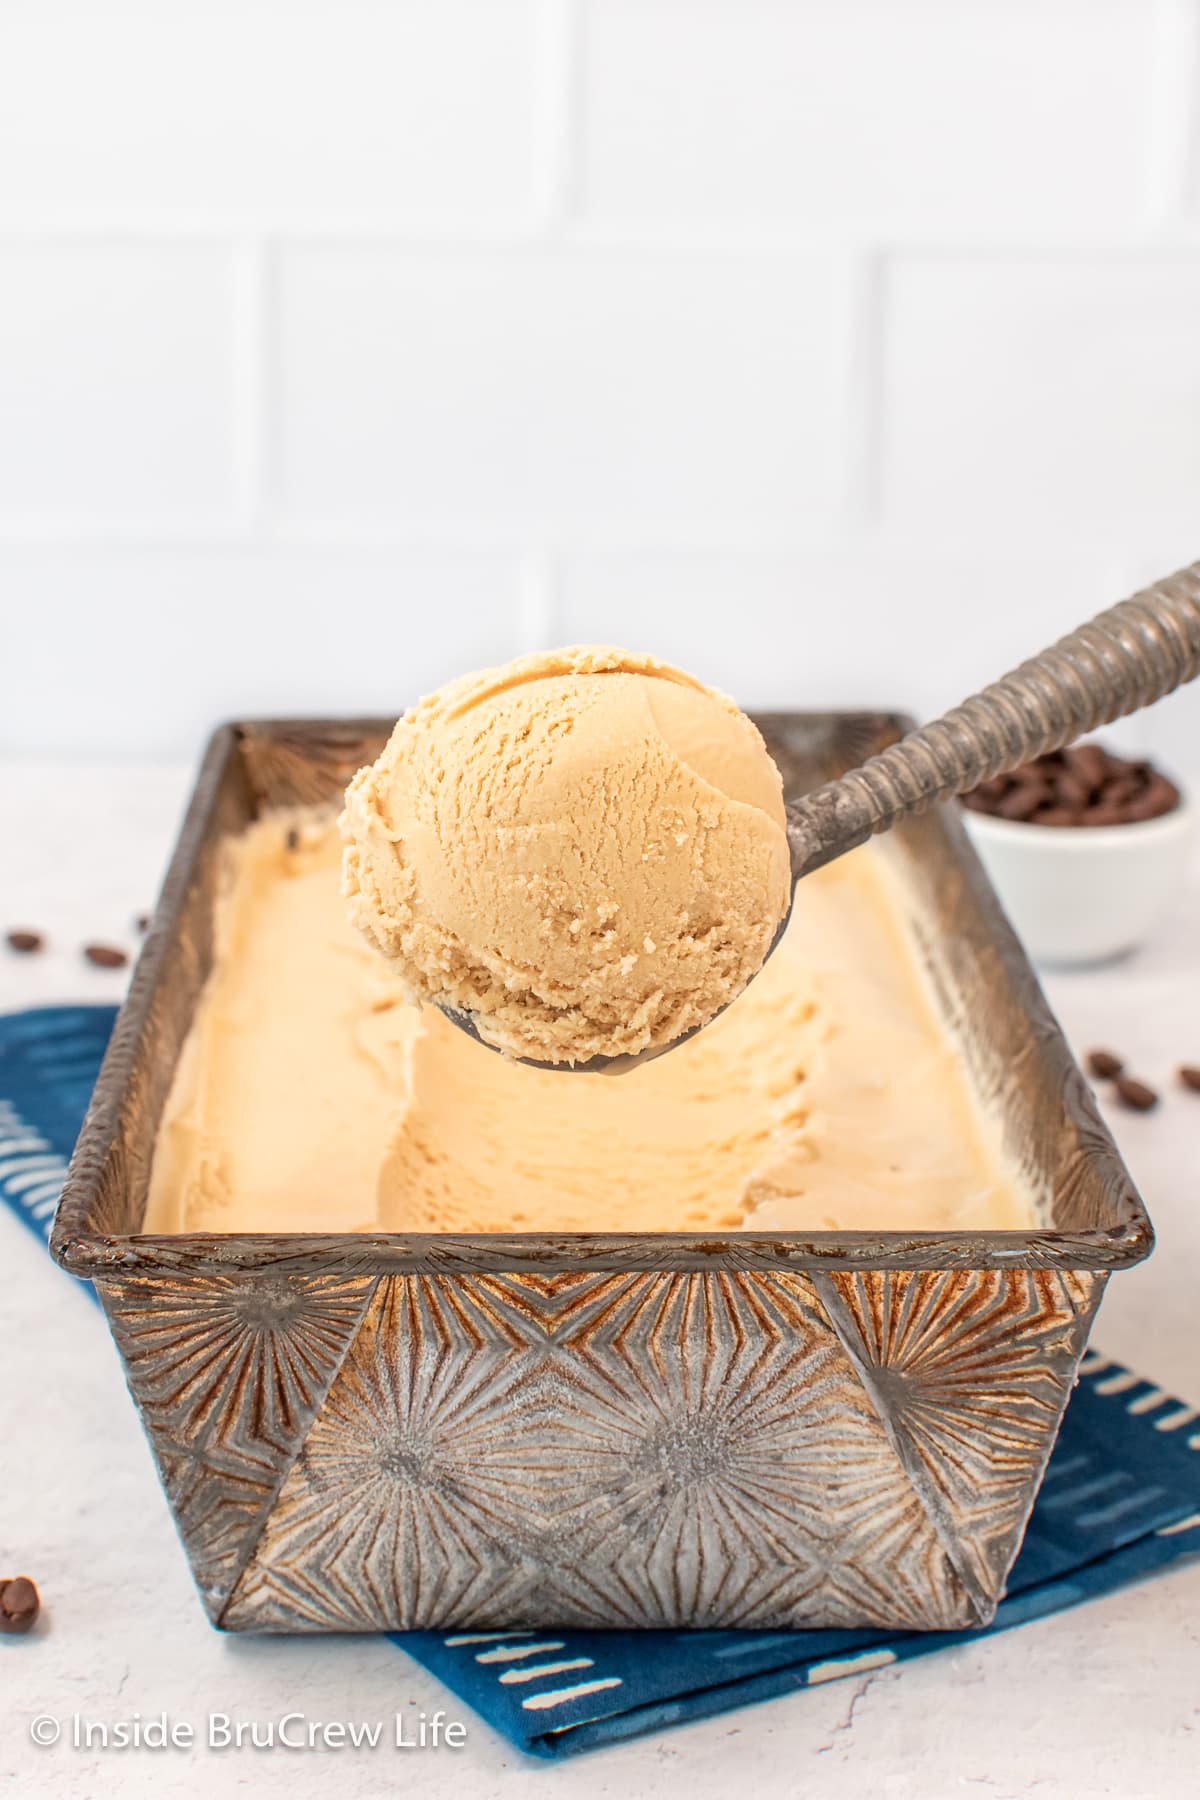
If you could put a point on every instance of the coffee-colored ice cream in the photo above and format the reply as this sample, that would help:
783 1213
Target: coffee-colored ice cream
583 849
311 1096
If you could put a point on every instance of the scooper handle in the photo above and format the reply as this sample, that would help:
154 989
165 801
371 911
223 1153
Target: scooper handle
1123 659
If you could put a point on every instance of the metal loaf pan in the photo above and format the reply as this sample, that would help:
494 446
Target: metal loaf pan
659 1429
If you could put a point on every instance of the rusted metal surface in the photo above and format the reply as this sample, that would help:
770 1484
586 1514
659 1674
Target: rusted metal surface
785 1429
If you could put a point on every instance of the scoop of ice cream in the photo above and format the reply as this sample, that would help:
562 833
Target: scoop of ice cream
585 849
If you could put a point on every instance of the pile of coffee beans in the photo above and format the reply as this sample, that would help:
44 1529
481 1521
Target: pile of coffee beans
1085 785
1106 1065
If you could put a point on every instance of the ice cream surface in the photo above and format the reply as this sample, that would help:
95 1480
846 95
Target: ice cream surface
312 1096
584 849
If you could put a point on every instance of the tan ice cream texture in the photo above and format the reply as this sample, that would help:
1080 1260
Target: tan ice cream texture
583 849
312 1096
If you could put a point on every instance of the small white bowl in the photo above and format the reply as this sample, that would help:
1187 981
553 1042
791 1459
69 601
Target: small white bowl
1080 894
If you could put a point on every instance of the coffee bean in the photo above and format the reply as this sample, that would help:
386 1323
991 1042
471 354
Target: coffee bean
1121 790
1189 1074
1035 773
1070 791
1164 794
26 941
1135 1094
1056 815
1020 803
19 1605
1143 807
1089 764
106 956
1103 1065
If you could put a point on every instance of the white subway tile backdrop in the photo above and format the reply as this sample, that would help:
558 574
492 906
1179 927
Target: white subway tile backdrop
117 386
844 350
869 117
259 113
561 392
1043 395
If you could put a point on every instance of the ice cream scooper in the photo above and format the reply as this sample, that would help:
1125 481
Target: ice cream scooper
1122 660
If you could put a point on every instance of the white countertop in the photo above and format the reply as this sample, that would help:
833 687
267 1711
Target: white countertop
1101 1700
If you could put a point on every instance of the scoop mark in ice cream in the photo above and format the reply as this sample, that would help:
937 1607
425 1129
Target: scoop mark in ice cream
827 1097
584 849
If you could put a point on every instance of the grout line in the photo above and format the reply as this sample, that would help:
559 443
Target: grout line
753 540
149 230
659 239
1170 142
665 237
133 534
249 374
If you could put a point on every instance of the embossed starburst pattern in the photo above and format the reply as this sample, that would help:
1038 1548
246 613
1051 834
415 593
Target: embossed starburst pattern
228 1372
398 1511
720 1464
629 1449
596 1450
973 1370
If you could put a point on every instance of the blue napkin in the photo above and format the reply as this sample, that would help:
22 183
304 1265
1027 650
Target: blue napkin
1121 1498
